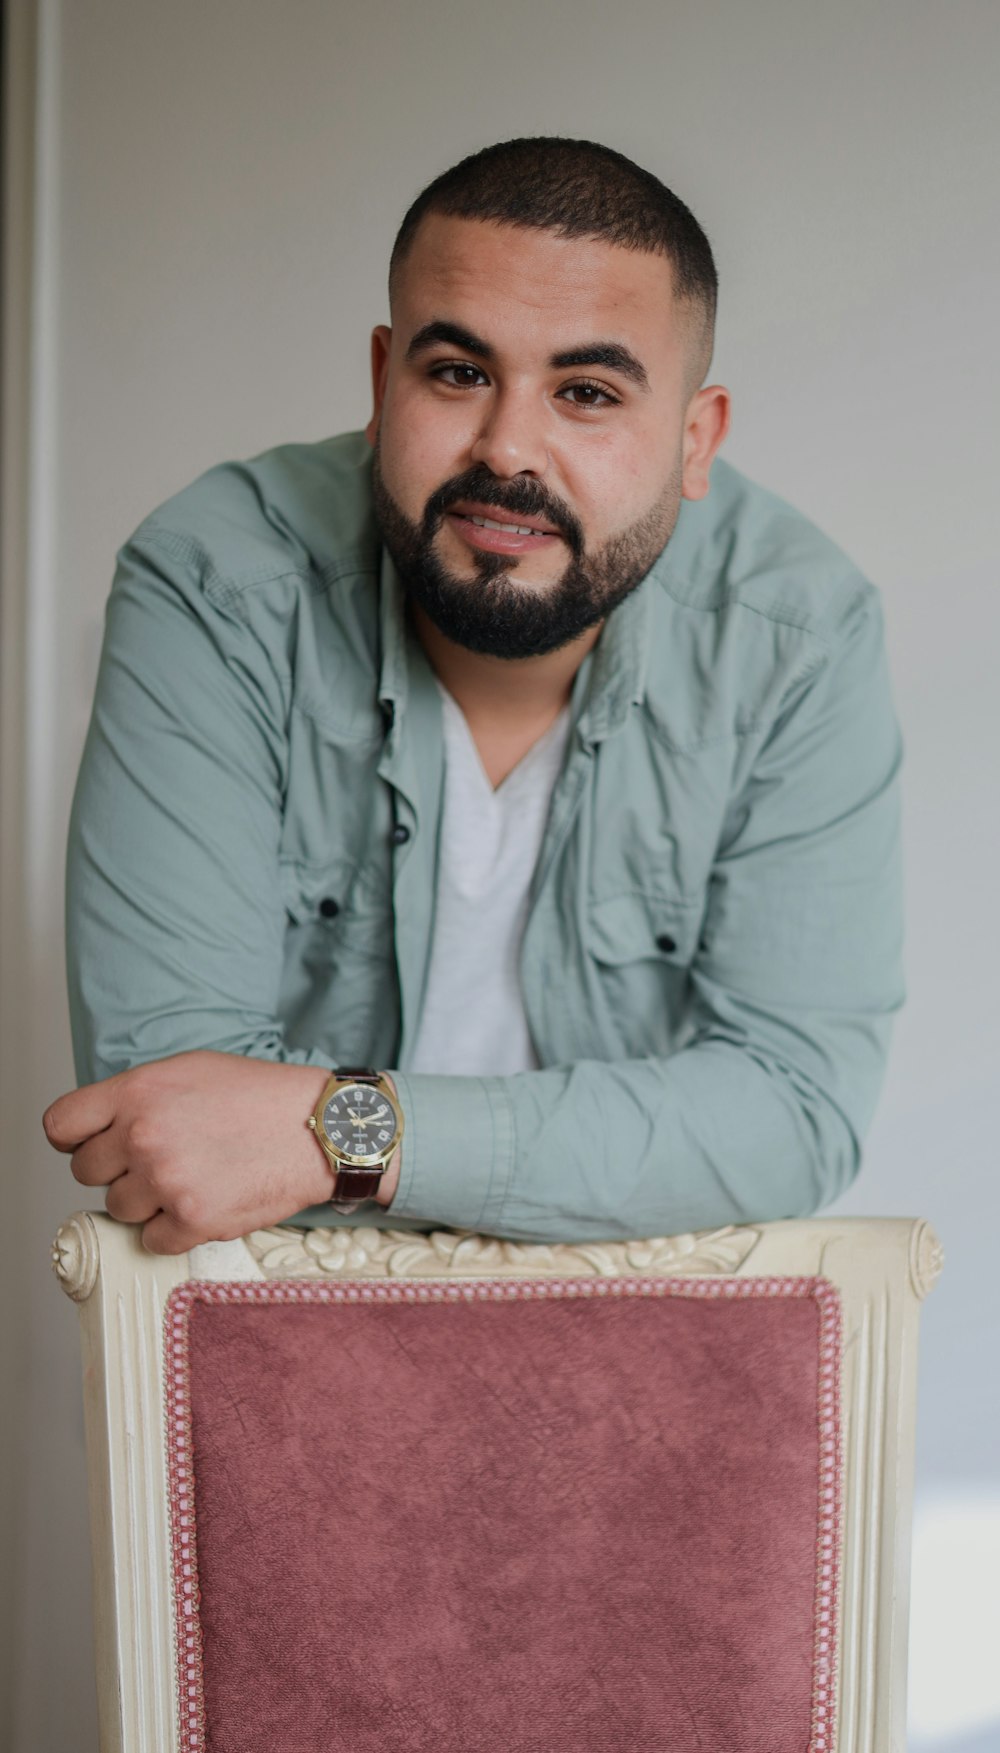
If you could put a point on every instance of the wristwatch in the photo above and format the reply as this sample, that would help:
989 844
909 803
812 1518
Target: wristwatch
358 1123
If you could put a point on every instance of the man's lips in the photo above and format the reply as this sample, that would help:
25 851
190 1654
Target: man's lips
497 531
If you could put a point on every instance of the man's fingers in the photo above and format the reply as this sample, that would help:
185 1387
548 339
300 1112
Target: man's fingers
130 1199
164 1235
99 1160
80 1113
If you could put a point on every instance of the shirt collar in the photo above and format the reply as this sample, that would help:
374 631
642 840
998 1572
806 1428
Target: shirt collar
617 667
393 681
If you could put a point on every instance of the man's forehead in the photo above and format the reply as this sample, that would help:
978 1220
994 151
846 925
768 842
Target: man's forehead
481 274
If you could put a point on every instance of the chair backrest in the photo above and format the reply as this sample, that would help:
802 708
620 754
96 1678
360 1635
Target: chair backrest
363 1489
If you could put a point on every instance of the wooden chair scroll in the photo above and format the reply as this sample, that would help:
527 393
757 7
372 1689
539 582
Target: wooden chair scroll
361 1489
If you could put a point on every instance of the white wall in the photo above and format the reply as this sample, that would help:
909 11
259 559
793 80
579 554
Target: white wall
221 184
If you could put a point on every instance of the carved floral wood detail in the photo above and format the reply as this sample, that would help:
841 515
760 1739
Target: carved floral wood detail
362 1252
76 1257
926 1259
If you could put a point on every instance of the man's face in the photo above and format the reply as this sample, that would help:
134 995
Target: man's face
534 429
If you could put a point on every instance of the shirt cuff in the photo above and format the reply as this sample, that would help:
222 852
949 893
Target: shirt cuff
457 1151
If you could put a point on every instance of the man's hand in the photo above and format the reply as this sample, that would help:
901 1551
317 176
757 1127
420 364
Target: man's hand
200 1147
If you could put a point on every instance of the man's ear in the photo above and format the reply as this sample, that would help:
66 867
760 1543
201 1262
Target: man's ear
705 426
381 340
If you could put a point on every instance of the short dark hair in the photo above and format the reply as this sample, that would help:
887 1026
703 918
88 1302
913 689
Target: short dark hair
575 188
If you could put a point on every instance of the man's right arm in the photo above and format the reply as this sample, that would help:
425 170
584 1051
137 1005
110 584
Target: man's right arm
175 917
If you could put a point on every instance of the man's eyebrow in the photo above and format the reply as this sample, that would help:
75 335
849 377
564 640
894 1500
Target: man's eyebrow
452 336
609 354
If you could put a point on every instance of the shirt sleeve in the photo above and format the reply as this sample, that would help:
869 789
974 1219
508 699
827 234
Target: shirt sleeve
174 933
761 1114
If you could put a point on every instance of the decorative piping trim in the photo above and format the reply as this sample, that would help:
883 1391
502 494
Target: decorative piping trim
177 1375
180 1486
829 1521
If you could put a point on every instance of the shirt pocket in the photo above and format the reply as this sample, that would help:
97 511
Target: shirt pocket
641 948
339 981
344 908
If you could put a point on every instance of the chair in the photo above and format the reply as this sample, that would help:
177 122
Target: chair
362 1489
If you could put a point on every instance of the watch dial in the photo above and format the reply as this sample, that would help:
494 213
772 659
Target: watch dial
359 1120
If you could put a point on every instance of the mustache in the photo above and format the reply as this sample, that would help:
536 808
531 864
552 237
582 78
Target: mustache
523 497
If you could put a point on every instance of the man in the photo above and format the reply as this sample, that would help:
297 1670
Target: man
511 753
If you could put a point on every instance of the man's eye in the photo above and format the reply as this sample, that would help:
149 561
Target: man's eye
589 395
463 377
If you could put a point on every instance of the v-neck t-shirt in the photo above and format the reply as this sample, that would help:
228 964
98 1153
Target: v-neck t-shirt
473 1020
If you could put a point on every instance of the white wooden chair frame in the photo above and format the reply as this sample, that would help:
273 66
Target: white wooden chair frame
881 1268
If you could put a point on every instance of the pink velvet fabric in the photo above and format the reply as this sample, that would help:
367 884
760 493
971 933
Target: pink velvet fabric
528 1525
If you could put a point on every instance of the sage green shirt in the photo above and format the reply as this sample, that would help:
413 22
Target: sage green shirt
712 954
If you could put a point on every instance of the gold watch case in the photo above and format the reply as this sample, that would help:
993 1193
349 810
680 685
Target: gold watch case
335 1152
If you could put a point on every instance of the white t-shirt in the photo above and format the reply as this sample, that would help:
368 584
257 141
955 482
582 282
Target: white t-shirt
473 1020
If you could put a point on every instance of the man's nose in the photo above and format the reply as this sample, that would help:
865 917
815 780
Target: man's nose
512 439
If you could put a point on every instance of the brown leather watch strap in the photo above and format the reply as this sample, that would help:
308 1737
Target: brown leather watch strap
353 1185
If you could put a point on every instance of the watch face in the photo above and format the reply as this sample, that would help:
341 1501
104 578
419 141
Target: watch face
359 1121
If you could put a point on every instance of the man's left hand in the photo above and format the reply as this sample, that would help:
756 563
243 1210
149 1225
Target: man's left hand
200 1147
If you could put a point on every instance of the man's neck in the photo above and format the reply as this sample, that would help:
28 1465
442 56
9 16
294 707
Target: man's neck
508 703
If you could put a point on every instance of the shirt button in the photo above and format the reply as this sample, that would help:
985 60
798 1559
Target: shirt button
329 907
400 834
665 943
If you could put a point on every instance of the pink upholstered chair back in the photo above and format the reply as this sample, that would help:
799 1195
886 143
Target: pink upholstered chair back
467 1497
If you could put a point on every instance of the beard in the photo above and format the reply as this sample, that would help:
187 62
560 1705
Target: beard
491 612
